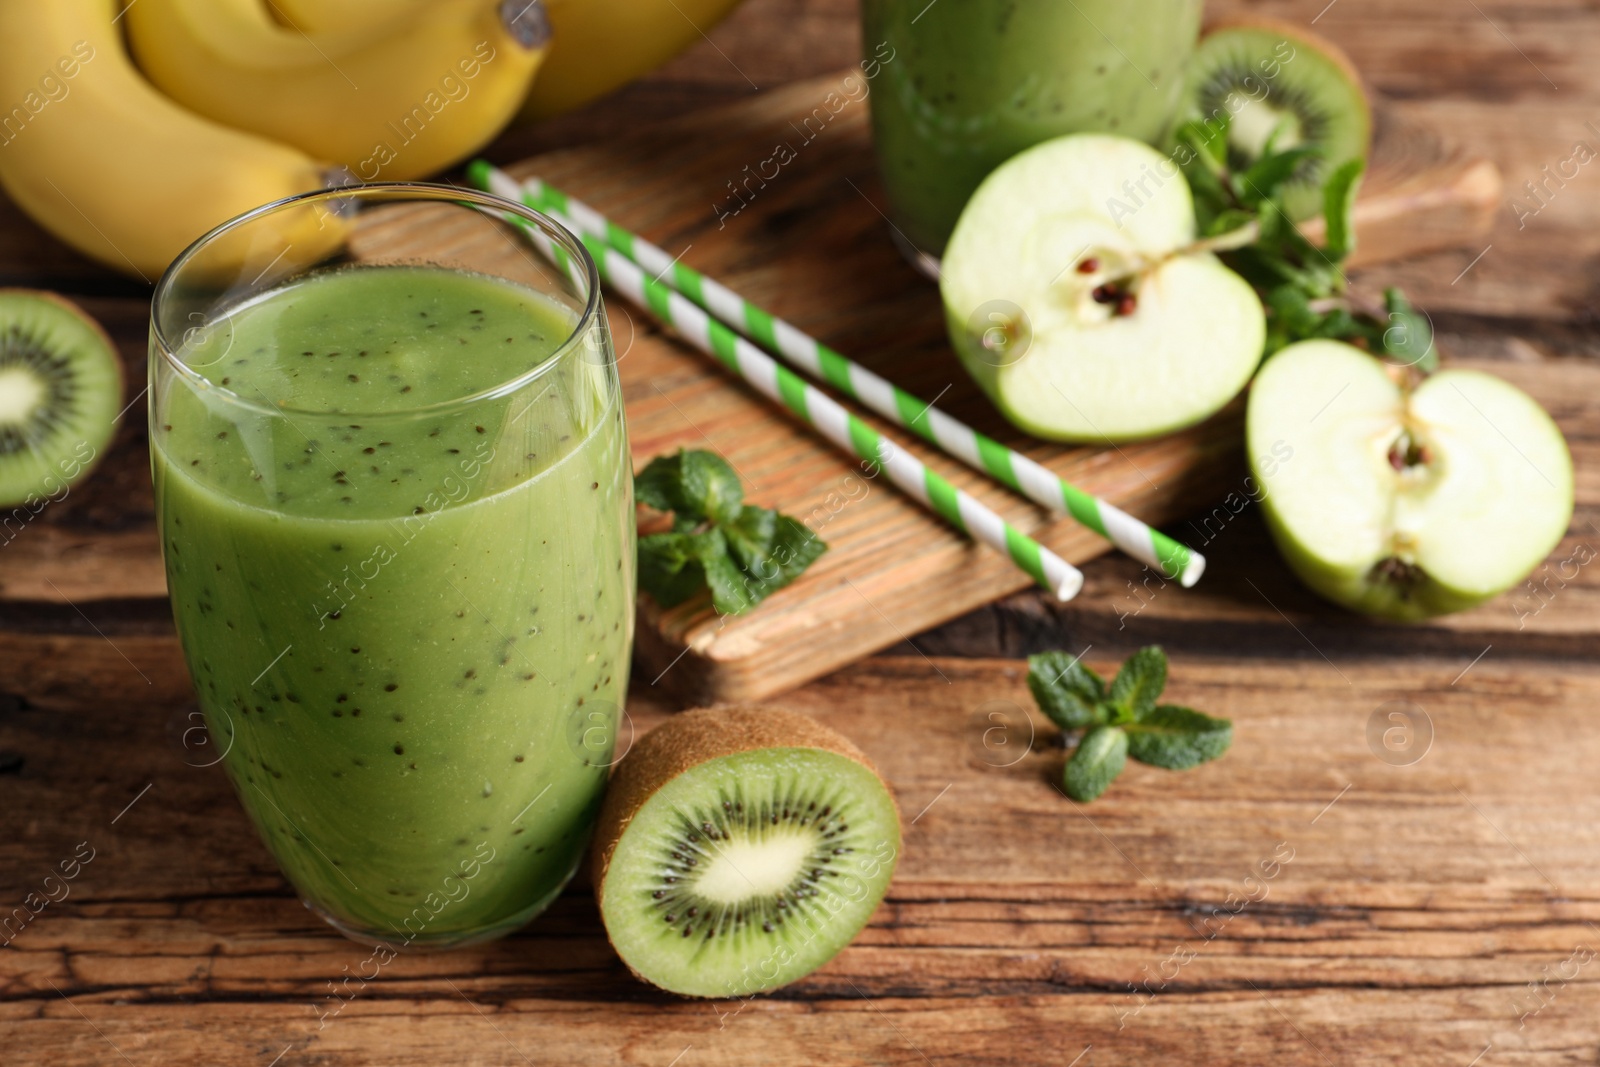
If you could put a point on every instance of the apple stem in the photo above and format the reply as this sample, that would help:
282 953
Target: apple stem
1248 234
1245 235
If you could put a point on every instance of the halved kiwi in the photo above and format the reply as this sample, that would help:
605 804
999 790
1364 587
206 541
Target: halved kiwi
60 390
1272 77
739 849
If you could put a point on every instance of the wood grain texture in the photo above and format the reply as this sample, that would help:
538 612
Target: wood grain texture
1322 901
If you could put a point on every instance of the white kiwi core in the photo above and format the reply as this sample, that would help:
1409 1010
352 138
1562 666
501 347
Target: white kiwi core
21 393
743 866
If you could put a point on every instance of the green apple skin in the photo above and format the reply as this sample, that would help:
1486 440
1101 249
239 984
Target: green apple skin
1366 385
1087 375
1350 587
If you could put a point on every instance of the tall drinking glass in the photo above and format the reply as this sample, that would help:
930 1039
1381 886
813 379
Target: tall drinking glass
963 85
394 491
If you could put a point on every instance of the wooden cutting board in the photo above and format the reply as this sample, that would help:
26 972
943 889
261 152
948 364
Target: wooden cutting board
807 240
82 590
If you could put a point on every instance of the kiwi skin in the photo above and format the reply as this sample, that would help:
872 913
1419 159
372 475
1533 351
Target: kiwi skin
38 492
692 738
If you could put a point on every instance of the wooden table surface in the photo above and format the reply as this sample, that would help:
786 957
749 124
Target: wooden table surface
1310 899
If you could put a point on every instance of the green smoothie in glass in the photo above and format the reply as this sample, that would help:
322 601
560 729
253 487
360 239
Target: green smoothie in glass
973 82
408 627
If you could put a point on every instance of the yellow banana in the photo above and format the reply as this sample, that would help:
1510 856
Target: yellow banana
397 100
103 161
596 45
601 45
332 16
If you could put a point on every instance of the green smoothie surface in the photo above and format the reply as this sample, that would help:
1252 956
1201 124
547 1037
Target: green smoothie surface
389 346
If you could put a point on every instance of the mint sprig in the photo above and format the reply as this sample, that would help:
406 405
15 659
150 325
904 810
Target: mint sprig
1242 216
741 553
1121 720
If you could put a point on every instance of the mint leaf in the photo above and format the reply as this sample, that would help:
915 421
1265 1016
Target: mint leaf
657 485
1338 206
1229 220
1142 678
1267 175
1065 690
794 548
1209 140
730 594
711 488
750 536
1100 757
1409 338
1177 738
695 486
739 553
670 568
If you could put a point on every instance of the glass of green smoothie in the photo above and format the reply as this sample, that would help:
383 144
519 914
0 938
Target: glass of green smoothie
394 491
960 86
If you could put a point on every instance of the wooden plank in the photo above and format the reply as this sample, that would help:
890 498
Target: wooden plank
1408 910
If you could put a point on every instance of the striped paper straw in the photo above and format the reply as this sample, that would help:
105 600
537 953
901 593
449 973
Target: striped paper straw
1011 468
818 410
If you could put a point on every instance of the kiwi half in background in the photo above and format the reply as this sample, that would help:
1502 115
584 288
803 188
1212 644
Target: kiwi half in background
1268 74
60 392
739 849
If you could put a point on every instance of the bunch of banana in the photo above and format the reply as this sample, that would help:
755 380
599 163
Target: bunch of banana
106 163
597 45
395 100
261 99
130 176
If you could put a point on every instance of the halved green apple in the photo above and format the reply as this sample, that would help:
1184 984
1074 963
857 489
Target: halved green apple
1400 501
1079 245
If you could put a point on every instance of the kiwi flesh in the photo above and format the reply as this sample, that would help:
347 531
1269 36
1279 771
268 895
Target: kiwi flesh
1276 78
739 849
60 391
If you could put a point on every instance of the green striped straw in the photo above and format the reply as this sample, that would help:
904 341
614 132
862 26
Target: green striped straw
814 407
1012 469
